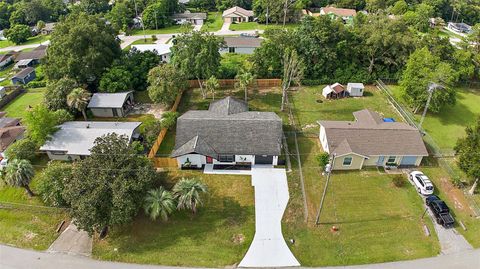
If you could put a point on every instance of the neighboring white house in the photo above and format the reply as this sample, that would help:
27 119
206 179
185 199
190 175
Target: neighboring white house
334 91
227 134
371 141
241 45
460 27
74 139
163 50
111 104
189 17
355 89
237 14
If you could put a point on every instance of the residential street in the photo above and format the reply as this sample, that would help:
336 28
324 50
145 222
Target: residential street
15 258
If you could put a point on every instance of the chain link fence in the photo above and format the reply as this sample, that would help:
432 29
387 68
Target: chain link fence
441 155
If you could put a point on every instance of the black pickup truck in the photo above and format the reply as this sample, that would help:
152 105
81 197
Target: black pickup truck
440 210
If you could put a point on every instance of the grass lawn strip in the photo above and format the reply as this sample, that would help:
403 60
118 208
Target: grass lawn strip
19 106
449 124
214 22
244 26
31 40
218 235
177 28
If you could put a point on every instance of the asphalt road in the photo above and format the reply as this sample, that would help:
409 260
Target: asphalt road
15 258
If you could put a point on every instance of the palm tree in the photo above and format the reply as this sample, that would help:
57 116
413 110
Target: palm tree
244 79
159 202
78 98
187 192
19 173
211 85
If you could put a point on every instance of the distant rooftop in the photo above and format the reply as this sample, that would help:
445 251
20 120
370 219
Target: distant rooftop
160 49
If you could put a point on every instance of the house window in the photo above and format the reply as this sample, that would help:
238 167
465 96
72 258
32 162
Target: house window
391 159
231 50
226 158
57 152
347 161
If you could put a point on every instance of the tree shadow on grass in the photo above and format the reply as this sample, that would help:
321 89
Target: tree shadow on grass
459 114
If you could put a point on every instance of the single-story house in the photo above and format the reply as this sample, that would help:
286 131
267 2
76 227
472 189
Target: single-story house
241 45
10 131
227 134
189 17
334 91
35 55
74 139
48 29
111 104
163 50
355 89
24 76
3 92
237 14
371 141
345 14
460 27
6 59
2 36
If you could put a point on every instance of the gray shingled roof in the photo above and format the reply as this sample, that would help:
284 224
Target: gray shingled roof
243 42
187 15
369 135
36 54
228 128
24 72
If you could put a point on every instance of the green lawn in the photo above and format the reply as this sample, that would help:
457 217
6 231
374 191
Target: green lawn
258 26
219 235
177 28
32 40
377 221
144 41
448 125
214 22
18 107
22 223
310 106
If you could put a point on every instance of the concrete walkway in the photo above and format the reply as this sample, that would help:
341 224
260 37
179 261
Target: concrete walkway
16 258
268 248
225 26
73 241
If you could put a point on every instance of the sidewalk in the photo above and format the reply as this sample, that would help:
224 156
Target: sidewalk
73 241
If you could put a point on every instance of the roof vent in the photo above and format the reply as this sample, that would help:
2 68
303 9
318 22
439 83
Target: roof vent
88 126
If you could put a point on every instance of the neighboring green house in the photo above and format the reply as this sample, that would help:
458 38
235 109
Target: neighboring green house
371 140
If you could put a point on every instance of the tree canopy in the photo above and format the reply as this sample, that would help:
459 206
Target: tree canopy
108 188
423 68
165 83
468 151
82 47
42 122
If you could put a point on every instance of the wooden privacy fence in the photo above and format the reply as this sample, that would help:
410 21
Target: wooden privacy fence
164 161
225 83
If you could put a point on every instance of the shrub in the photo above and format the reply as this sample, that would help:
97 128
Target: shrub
311 82
51 182
37 84
138 147
398 181
169 119
154 38
323 159
23 149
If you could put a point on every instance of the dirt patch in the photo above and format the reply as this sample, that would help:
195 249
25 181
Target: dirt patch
154 109
456 195
238 238
30 235
309 126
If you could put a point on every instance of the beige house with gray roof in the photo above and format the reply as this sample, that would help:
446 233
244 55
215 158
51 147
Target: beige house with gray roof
370 141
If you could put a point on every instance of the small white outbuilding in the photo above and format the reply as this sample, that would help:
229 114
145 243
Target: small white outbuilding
355 89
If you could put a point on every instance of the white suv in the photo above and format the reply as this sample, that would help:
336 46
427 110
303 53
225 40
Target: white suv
422 183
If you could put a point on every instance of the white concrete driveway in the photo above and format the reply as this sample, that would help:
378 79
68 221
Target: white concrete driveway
268 248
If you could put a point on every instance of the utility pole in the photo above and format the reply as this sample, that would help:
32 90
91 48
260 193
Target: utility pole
156 25
141 20
266 16
328 170
431 88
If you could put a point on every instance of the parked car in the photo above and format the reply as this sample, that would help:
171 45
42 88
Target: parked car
422 183
254 35
440 210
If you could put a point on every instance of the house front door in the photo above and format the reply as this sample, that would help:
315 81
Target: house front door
380 160
209 159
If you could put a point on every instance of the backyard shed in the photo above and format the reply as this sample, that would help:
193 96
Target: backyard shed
355 89
334 91
111 104
24 76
